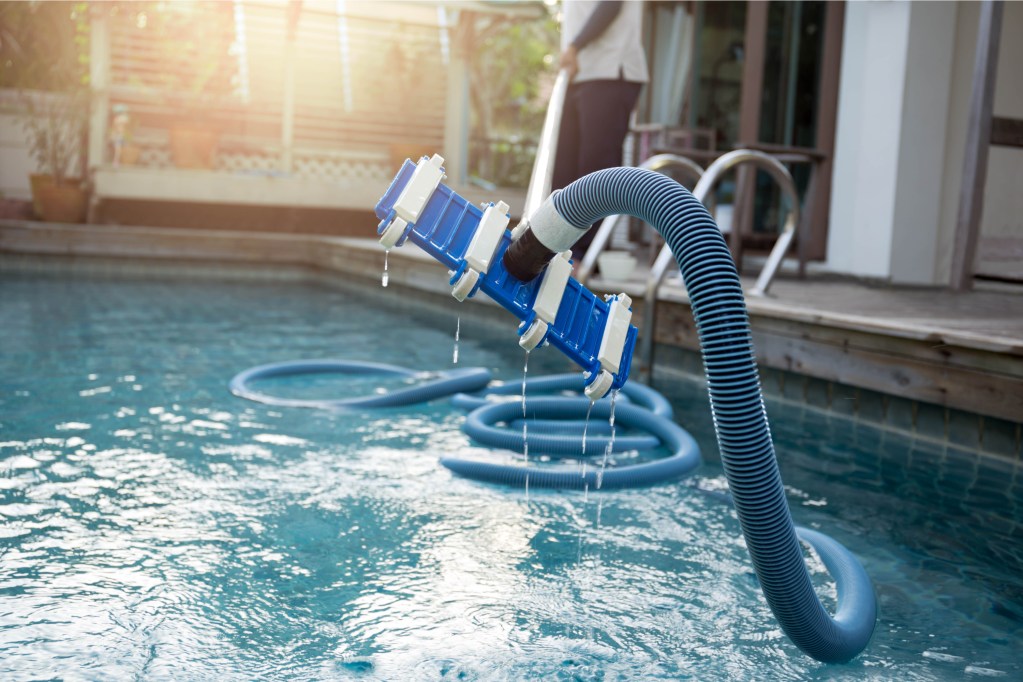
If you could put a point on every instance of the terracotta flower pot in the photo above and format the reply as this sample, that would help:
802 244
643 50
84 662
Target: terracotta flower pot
37 181
62 204
130 155
192 147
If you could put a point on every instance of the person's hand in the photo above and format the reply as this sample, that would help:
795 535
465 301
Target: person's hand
570 61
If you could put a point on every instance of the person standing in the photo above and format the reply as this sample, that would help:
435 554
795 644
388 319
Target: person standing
602 50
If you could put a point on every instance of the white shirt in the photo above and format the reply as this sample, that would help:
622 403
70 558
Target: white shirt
617 52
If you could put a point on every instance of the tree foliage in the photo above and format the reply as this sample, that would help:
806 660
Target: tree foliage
44 55
511 69
44 45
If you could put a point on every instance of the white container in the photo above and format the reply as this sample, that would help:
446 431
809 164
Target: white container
616 266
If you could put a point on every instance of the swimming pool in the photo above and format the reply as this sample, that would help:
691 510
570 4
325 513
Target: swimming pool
152 524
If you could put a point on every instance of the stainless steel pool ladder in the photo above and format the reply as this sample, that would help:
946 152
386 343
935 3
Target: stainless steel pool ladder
660 163
702 193
540 187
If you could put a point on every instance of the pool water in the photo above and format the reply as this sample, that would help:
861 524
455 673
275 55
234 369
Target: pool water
154 526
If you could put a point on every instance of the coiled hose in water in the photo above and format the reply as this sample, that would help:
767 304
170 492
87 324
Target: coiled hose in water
551 433
740 420
480 426
571 382
435 385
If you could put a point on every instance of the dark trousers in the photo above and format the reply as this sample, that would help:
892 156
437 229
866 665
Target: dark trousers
593 128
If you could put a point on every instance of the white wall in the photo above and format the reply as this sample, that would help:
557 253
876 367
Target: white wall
15 161
858 233
889 146
924 127
1003 205
904 101
1003 196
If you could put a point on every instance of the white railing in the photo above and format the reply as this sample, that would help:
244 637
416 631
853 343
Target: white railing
329 97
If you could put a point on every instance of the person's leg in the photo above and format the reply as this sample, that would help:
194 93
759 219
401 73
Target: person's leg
604 108
604 111
566 159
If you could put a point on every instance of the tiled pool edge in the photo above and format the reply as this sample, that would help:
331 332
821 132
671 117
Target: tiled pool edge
986 436
103 266
137 252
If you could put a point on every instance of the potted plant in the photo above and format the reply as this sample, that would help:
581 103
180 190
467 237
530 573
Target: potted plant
45 49
55 123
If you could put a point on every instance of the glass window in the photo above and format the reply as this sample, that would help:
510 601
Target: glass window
788 108
717 90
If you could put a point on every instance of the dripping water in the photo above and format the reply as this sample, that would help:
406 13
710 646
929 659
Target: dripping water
579 544
525 424
525 372
458 331
384 278
610 445
525 441
586 427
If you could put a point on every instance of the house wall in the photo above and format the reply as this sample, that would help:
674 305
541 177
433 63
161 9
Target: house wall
902 115
15 159
864 160
16 162
1003 200
888 172
921 160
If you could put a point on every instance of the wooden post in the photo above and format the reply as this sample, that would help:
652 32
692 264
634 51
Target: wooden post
818 192
978 140
288 103
99 105
749 122
456 117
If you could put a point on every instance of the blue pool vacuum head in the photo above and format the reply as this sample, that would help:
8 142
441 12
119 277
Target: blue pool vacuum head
594 332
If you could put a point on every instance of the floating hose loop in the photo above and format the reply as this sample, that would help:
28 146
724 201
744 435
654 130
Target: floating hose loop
685 457
436 384
744 437
556 436
633 391
481 426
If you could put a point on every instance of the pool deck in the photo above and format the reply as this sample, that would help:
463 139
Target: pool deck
923 360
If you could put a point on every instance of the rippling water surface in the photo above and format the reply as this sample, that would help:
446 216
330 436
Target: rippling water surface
153 526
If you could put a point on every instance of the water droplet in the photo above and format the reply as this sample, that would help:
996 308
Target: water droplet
458 331
525 424
525 371
610 443
586 427
384 278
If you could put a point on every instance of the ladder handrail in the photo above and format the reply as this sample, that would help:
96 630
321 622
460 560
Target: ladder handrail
543 165
658 162
540 187
702 192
